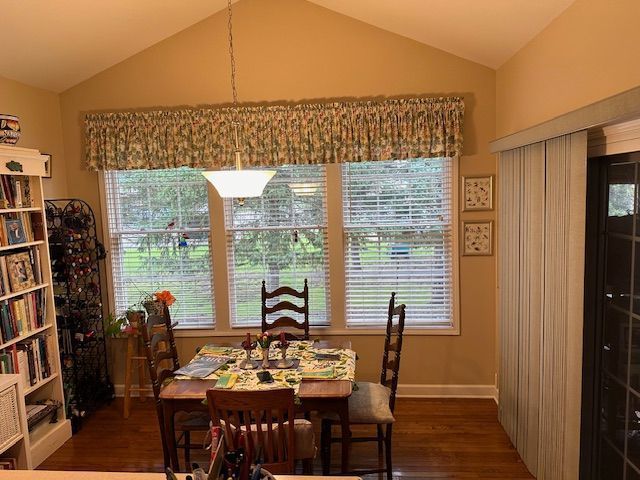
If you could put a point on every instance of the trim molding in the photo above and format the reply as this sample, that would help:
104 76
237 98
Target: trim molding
447 391
620 107
410 391
614 139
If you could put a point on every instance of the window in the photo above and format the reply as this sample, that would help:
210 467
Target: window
398 237
280 237
158 223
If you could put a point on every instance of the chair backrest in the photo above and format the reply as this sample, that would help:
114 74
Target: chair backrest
162 360
160 349
263 417
393 348
286 321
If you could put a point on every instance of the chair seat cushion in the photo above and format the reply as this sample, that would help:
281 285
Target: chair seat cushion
192 421
369 404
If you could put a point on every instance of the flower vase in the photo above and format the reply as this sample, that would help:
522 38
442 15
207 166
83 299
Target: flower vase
265 357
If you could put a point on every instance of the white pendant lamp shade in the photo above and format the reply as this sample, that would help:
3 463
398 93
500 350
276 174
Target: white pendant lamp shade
239 183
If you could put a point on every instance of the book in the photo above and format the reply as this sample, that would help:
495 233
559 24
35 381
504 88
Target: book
15 231
328 373
327 356
202 366
226 381
19 271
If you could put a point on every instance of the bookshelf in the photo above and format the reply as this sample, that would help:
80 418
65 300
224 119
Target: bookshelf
29 351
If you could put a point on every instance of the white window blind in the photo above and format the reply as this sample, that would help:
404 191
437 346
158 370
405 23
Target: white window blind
398 237
280 237
158 224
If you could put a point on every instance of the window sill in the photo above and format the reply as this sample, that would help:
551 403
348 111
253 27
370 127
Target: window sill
321 331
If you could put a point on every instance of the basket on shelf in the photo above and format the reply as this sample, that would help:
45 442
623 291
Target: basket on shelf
9 418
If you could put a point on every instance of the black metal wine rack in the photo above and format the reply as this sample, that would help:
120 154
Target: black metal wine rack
75 265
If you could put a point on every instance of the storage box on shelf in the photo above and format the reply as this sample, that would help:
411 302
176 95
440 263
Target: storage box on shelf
29 352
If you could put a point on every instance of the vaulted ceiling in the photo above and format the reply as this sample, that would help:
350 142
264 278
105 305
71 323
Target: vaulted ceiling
58 44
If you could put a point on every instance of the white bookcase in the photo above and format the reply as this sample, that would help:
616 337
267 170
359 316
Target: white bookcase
32 448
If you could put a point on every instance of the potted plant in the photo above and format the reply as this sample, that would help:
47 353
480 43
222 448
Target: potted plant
155 303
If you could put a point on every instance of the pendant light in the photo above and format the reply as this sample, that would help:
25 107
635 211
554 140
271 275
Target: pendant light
238 183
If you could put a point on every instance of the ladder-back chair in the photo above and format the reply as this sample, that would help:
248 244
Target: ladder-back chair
281 307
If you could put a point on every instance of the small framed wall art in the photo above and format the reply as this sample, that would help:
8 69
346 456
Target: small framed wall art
477 193
47 166
477 237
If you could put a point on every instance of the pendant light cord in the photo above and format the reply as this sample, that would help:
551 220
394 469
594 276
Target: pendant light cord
235 123
233 58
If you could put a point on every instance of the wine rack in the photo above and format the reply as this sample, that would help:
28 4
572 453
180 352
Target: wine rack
75 255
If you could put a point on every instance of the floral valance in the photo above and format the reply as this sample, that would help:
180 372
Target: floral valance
275 135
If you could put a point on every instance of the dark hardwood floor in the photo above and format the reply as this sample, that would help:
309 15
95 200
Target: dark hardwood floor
433 438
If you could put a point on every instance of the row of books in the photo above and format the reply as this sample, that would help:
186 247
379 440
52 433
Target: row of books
19 271
15 191
28 358
21 315
20 227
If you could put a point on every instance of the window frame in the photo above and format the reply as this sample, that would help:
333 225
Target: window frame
106 241
454 327
322 227
335 267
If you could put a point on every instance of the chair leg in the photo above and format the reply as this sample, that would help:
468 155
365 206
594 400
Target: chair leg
325 446
187 449
380 441
387 448
307 466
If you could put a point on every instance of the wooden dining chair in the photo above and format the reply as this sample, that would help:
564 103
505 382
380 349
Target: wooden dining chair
374 403
286 320
266 415
162 360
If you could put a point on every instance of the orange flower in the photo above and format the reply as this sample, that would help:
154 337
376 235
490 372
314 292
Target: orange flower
165 297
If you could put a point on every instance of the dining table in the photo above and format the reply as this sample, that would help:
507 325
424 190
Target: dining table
325 395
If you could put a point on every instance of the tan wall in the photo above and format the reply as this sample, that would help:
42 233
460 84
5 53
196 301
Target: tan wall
41 126
588 53
291 50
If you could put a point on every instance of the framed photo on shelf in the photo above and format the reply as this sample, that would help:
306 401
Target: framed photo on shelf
477 193
20 271
15 231
477 238
47 166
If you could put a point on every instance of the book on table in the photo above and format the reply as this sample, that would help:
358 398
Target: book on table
202 367
328 373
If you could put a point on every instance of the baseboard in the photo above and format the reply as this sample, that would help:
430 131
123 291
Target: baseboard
410 391
447 391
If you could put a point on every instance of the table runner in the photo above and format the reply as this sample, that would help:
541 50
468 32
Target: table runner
283 378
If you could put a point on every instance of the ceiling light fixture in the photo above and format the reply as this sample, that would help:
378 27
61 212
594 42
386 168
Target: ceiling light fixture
238 183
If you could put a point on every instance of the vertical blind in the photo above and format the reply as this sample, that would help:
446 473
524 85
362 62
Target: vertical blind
398 237
279 237
158 227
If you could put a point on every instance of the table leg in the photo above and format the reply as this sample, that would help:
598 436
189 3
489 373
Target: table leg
142 395
170 434
345 430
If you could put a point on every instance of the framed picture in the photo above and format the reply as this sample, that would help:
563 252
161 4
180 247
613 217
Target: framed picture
477 193
47 165
20 271
477 237
15 231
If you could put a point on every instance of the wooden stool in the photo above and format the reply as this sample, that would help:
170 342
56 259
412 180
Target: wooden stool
135 358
